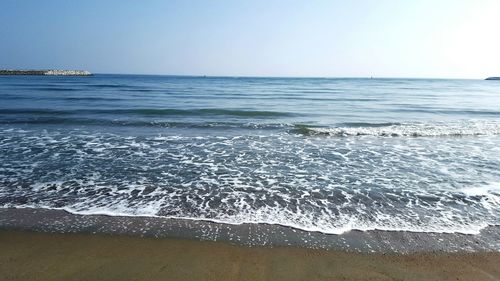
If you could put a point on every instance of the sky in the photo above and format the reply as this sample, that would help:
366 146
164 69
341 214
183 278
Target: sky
359 38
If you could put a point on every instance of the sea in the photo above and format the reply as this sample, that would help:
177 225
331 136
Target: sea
325 155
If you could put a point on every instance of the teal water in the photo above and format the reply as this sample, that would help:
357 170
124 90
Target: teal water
318 154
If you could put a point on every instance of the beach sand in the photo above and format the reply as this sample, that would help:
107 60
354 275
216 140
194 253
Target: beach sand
44 256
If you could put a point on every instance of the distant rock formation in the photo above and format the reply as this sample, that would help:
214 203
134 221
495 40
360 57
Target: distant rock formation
493 78
53 72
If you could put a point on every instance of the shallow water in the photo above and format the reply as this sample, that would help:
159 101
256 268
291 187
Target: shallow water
325 155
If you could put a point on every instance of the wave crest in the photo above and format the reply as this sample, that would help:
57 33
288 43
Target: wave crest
457 129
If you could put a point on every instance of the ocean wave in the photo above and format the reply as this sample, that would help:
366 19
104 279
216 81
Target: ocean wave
58 120
153 118
449 129
314 184
151 112
271 216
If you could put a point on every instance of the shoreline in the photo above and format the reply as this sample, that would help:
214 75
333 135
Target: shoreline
372 241
29 255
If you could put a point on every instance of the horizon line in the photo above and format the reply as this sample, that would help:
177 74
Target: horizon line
266 76
289 77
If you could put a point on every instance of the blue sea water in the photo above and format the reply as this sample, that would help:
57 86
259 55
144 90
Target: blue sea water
317 154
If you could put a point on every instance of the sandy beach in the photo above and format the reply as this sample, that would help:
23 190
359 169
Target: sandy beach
42 256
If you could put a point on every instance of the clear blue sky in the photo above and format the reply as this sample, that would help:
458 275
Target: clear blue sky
399 38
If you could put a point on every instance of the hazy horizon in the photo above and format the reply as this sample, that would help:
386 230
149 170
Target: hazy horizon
383 39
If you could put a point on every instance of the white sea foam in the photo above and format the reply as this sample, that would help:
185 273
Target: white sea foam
315 184
483 190
435 129
489 194
298 221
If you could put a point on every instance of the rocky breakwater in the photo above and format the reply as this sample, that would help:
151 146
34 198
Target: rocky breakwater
50 72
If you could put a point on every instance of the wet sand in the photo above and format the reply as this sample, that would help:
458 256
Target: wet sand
373 241
47 256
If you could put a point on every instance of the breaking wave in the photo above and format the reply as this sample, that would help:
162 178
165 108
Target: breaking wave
449 129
